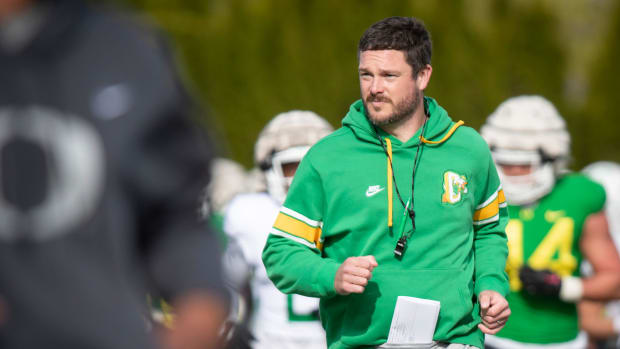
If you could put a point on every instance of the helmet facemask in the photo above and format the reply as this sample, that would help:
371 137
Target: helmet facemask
278 182
524 188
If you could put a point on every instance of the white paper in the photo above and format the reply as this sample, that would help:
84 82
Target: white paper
413 321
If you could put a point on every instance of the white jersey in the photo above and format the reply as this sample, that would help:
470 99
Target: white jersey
278 320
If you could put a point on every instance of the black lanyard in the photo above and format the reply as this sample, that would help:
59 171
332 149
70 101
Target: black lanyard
402 241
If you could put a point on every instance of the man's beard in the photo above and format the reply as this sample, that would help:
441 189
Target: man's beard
402 111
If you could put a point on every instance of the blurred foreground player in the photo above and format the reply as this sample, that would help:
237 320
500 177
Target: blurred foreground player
555 218
99 174
279 320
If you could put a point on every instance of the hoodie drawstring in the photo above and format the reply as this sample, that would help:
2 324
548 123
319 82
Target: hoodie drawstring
452 129
389 180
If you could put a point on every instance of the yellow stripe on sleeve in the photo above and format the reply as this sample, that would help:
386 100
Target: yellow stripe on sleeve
488 211
298 228
501 196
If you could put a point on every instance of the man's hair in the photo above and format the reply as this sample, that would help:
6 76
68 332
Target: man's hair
407 34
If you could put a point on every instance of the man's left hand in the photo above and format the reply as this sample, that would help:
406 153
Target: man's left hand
494 311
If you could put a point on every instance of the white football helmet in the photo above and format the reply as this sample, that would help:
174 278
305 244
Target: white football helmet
286 139
608 175
528 130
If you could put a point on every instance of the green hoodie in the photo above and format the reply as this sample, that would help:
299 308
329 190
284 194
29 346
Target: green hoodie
341 202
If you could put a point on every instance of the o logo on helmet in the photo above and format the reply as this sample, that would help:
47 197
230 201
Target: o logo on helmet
51 172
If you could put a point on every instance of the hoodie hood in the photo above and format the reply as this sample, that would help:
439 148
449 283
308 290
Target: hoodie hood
438 125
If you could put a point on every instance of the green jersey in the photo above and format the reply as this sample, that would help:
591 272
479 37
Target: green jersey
546 236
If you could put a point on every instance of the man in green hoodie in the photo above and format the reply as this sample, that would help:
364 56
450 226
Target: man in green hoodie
353 233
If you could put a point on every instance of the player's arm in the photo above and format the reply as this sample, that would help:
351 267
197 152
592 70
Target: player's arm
599 249
595 322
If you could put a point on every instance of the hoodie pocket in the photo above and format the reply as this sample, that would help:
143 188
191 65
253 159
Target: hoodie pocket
368 315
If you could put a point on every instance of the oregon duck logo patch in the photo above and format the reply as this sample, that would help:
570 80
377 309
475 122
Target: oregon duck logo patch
454 185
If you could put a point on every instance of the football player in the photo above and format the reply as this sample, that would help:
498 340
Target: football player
278 320
556 217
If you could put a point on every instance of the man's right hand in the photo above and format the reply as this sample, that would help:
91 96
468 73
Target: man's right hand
353 274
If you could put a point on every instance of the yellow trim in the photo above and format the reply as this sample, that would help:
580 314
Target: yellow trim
454 127
488 211
389 180
501 196
298 228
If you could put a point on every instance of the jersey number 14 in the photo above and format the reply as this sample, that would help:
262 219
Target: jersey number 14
554 252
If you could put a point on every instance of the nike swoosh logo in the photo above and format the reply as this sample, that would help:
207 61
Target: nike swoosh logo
373 191
552 216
